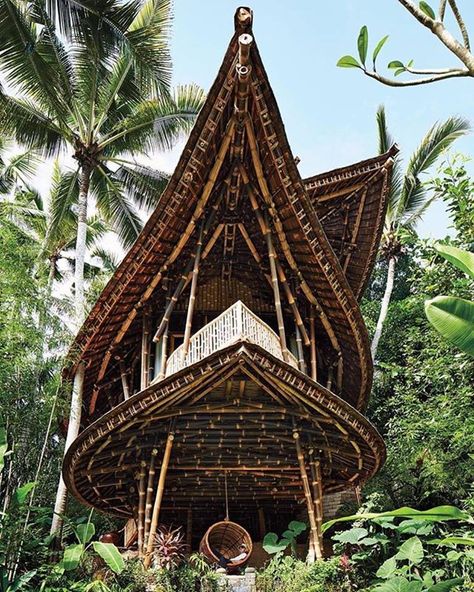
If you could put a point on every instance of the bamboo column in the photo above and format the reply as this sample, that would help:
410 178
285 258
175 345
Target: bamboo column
309 499
317 484
192 295
123 377
312 338
299 347
158 500
145 352
141 506
149 495
261 523
276 290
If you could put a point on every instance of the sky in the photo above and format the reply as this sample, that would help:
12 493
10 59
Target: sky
329 112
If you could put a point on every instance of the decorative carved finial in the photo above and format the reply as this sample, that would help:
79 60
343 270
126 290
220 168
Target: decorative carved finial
243 18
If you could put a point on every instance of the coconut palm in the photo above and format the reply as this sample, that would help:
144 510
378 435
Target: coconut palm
31 213
106 99
409 197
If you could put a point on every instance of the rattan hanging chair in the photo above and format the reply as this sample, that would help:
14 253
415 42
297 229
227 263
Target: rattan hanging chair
226 538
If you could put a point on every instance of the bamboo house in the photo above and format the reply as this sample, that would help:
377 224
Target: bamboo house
225 369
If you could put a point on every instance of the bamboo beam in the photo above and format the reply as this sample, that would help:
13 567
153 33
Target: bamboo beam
145 352
292 302
243 75
276 291
309 499
141 507
192 295
158 500
312 333
149 495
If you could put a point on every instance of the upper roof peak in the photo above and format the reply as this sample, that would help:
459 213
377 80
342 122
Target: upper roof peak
243 19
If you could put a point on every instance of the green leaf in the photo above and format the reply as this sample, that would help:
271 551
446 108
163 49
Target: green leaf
446 586
469 541
363 43
21 581
395 65
426 8
3 447
72 557
85 532
463 260
398 584
411 550
399 71
297 527
352 536
378 47
387 569
111 555
437 514
272 545
348 62
454 318
20 495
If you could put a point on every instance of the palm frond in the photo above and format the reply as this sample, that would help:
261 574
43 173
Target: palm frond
109 260
22 62
435 142
62 220
386 141
157 123
143 184
114 206
25 122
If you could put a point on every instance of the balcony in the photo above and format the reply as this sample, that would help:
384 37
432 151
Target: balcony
237 323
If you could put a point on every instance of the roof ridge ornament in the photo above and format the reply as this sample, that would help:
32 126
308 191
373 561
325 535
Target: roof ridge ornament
243 19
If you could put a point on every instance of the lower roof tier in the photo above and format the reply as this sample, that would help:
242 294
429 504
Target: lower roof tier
236 413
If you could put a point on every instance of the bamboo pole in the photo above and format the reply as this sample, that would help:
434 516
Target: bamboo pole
141 507
309 499
123 377
312 333
158 500
192 295
149 495
292 302
145 352
299 347
276 290
317 495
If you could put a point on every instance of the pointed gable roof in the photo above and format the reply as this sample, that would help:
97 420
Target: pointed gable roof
244 130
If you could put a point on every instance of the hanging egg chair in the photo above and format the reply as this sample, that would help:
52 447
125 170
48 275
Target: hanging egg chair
226 537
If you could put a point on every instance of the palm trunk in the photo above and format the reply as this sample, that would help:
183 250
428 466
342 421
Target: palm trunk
81 244
72 431
384 307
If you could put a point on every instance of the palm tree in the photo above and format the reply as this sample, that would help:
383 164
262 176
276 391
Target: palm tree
409 197
107 99
31 214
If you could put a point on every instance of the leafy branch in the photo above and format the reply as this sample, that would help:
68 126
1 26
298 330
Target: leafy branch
426 16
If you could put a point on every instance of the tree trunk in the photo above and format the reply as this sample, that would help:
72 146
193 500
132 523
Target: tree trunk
384 307
72 431
81 244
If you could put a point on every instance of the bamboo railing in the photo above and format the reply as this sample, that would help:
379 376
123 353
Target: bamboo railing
236 323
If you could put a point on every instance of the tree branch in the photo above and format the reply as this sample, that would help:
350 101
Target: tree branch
434 71
442 10
438 29
417 81
461 23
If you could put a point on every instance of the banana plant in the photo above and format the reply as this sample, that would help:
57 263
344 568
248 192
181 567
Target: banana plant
74 554
451 316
